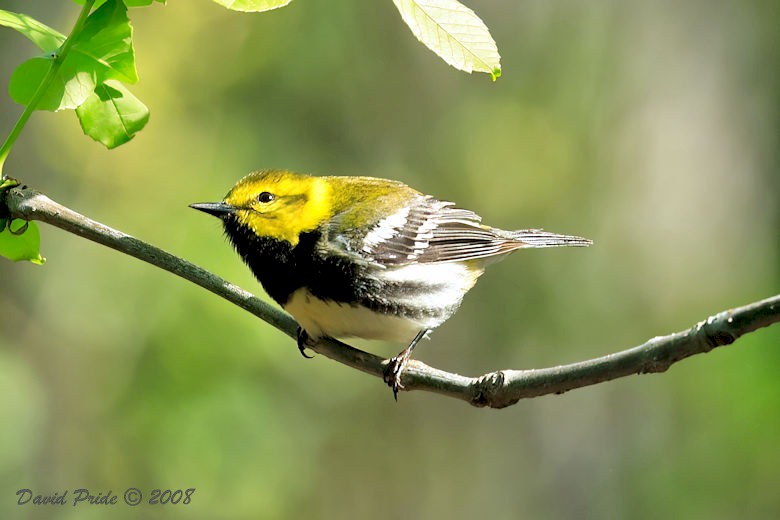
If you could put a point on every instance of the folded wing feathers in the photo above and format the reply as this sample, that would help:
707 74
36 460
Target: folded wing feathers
435 231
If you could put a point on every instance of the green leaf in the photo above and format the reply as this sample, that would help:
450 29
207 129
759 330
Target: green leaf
112 115
46 38
6 184
107 41
103 50
454 32
128 3
23 246
254 6
62 93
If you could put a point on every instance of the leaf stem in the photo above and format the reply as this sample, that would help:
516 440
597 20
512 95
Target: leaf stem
57 59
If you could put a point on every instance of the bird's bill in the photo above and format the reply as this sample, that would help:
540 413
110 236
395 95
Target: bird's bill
218 209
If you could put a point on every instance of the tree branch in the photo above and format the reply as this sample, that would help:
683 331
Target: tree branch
496 389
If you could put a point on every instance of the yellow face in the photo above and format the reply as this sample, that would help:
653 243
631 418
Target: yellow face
280 204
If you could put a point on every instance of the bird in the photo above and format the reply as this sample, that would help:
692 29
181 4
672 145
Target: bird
365 257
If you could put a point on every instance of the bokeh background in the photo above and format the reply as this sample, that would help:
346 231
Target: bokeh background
651 127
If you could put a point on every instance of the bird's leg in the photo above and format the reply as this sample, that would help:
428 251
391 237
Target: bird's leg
303 342
395 365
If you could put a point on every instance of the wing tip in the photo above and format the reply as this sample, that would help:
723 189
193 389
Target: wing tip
539 238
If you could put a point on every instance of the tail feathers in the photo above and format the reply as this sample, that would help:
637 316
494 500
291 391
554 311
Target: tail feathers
539 238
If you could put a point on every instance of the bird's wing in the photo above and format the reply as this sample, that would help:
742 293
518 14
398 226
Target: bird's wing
425 231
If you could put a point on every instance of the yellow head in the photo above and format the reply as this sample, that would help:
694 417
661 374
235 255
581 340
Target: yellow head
276 203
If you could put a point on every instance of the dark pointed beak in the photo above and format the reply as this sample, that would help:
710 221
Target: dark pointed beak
218 209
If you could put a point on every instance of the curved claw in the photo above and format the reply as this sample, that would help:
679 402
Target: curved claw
396 365
393 370
303 341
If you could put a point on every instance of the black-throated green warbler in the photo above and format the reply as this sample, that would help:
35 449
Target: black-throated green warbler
363 257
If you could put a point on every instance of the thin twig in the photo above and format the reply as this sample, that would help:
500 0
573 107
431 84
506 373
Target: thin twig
496 389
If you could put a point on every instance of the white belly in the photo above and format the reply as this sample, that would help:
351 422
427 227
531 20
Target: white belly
327 318
448 283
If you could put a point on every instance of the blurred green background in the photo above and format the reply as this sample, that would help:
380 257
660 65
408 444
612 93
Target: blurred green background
651 127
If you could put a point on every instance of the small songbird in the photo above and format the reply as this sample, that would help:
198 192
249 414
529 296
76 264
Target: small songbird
363 257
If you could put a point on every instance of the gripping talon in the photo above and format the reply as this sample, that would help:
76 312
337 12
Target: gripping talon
303 342
393 371
396 365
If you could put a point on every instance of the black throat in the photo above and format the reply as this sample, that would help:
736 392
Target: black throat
282 269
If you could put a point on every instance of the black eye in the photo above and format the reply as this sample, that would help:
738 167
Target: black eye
266 197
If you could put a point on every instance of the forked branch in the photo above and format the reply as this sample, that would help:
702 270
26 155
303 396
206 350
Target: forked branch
496 389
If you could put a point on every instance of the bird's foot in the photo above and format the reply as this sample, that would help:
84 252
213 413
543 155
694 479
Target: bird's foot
396 365
304 341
